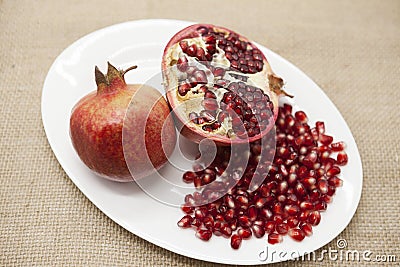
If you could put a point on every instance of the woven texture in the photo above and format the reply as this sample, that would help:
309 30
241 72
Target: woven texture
350 48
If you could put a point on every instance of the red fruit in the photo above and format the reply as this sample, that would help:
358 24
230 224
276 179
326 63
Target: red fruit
338 146
204 234
258 231
342 158
98 123
244 233
306 228
274 238
185 222
296 234
314 217
269 227
221 63
282 228
236 240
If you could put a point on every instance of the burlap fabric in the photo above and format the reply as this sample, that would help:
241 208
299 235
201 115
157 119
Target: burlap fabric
350 48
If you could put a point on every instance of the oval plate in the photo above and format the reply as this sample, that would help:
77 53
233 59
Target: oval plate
142 43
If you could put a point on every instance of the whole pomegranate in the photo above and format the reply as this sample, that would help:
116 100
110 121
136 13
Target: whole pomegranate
220 85
120 126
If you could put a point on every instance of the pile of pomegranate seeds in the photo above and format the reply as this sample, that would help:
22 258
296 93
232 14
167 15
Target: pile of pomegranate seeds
298 186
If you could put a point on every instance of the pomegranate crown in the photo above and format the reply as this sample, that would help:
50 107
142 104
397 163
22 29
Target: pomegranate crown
113 79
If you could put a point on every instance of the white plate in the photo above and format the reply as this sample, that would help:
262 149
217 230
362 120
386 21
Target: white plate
142 42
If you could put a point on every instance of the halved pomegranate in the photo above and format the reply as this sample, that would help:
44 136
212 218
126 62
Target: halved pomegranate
220 85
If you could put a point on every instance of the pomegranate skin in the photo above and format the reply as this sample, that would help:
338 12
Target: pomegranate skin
100 120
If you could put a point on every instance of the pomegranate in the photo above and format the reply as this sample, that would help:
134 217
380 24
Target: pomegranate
99 120
220 85
295 190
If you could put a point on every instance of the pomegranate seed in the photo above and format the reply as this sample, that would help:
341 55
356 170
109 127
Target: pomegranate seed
323 186
304 215
282 152
292 199
196 223
269 227
342 158
338 146
236 240
233 224
301 116
335 181
200 213
274 238
315 194
226 230
242 200
229 215
300 190
289 121
184 88
244 233
335 170
217 228
184 45
309 181
283 187
310 159
292 178
201 54
189 199
198 182
182 64
326 198
252 212
259 222
325 139
229 201
207 178
191 50
296 234
277 219
185 222
209 94
210 104
258 231
219 72
292 222
306 228
314 134
331 190
203 234
320 205
314 217
187 209
320 126
208 222
261 202
277 208
219 217
302 172
281 198
292 209
282 228
286 109
244 221
266 213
